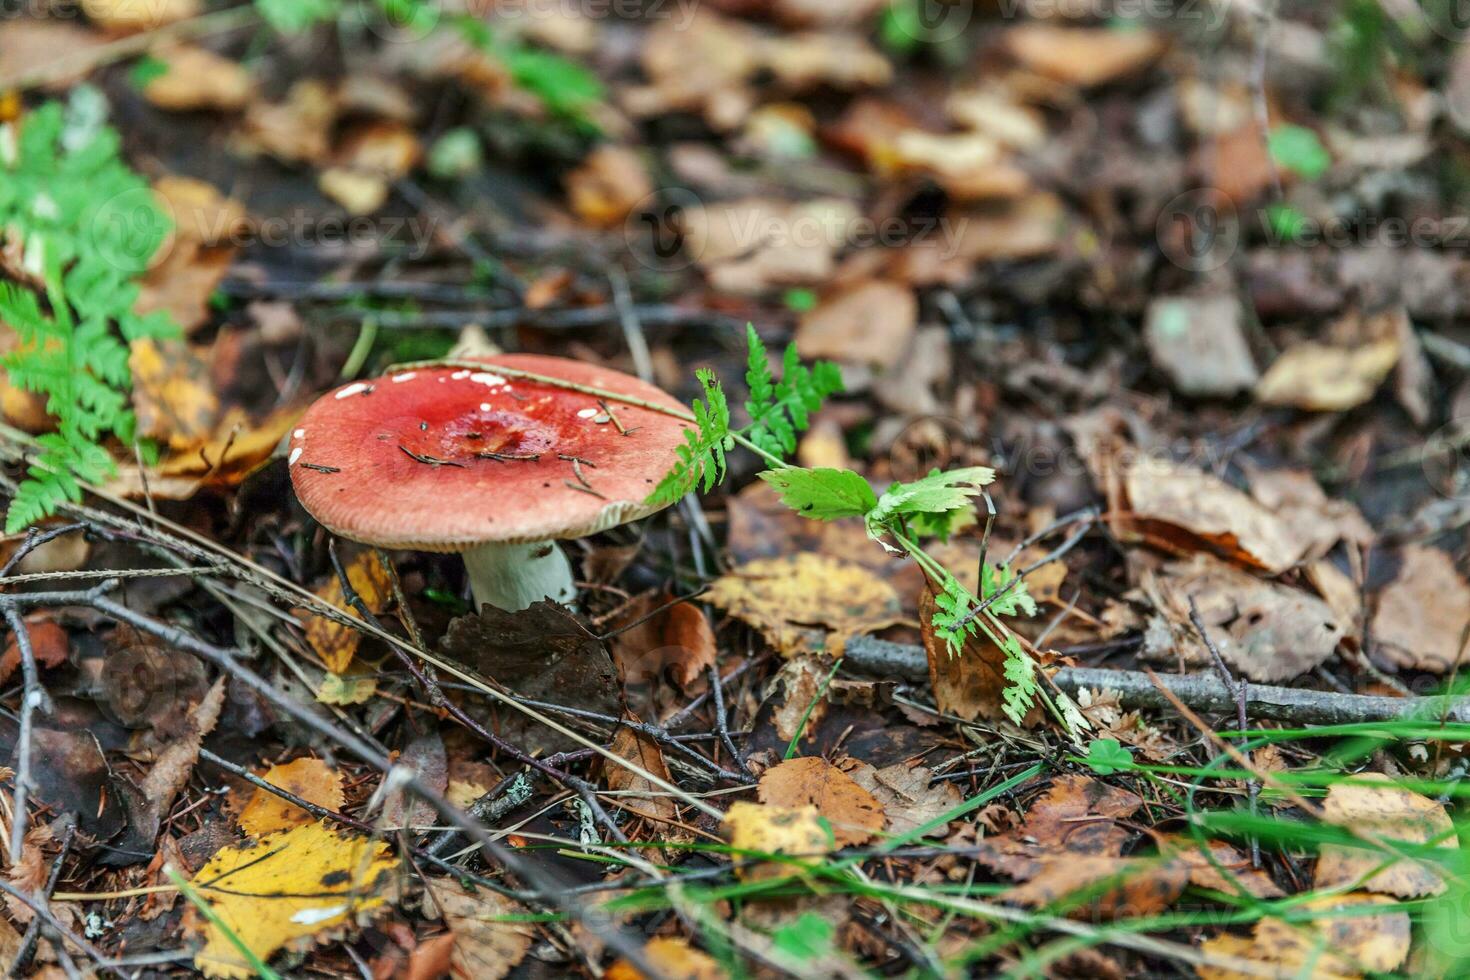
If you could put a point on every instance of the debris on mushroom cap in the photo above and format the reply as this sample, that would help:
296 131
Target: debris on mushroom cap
445 459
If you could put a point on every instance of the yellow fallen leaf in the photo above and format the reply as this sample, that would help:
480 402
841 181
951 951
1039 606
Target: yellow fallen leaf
132 16
1391 814
346 688
311 779
673 958
785 597
334 643
1083 56
172 393
285 890
1327 948
235 448
853 812
755 829
196 78
1323 378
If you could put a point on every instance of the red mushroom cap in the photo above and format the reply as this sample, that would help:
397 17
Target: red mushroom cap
447 459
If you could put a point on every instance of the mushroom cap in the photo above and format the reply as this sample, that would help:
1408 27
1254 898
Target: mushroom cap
404 461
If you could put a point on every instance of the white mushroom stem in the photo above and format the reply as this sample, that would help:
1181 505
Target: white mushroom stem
513 576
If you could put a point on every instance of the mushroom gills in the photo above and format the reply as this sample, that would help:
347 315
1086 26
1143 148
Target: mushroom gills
513 576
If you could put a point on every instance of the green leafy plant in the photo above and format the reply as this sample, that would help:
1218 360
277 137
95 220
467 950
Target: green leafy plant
85 227
1107 755
899 519
1299 150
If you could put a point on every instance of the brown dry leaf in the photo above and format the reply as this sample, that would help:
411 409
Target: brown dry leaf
49 645
1083 56
678 642
309 778
286 890
1028 228
1338 947
702 66
852 811
486 945
296 130
183 282
133 16
1265 630
1182 509
1112 887
1315 521
1075 818
1422 616
1225 869
369 158
969 166
791 832
173 394
752 245
969 684
994 111
196 78
910 799
1388 813
236 447
785 597
651 803
28 48
802 710
607 186
334 643
673 958
1321 377
809 59
175 763
872 322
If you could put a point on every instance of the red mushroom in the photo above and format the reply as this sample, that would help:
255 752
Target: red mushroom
487 462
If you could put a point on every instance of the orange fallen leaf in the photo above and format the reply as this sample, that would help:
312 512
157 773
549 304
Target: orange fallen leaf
309 778
334 643
853 812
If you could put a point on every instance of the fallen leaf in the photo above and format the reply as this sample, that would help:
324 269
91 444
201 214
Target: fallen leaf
297 130
852 811
49 645
1331 947
196 78
677 643
969 166
752 245
673 958
488 943
1321 377
784 597
1111 888
1265 630
335 643
1421 617
285 890
541 652
28 47
1199 343
1225 869
368 159
796 833
1388 813
425 757
1083 56
908 794
1183 509
969 684
642 797
309 778
1314 520
1075 818
870 323
608 185
173 395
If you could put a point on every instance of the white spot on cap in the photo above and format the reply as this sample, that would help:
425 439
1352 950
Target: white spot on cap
356 388
310 917
460 375
299 434
484 406
586 413
295 455
486 378
405 376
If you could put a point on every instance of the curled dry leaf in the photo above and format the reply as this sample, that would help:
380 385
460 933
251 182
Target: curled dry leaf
309 778
673 958
1104 887
853 812
1388 813
335 643
752 245
49 645
1422 616
1340 947
908 794
1075 818
132 16
1199 342
191 264
1224 869
677 642
969 685
488 943
287 889
369 158
784 597
1325 378
794 833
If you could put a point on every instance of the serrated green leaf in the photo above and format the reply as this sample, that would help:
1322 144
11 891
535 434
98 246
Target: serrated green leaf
937 493
822 494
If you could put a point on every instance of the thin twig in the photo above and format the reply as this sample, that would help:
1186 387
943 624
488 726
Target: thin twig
27 949
1241 716
720 722
33 696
